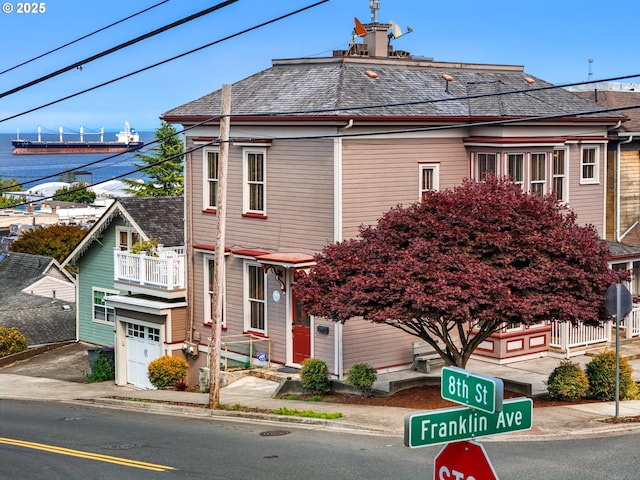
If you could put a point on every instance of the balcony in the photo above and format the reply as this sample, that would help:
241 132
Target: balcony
160 276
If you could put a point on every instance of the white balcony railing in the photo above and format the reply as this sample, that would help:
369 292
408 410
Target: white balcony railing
166 271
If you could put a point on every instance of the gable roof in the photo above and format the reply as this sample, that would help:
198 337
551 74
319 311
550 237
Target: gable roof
158 217
154 217
40 319
338 87
19 270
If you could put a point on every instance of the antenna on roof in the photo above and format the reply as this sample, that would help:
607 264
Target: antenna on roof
359 30
590 72
374 5
395 31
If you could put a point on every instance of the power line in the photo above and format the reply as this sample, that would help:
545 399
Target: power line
175 57
83 37
317 137
601 110
119 47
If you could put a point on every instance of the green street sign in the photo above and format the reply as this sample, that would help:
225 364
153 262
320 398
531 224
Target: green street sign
472 389
463 423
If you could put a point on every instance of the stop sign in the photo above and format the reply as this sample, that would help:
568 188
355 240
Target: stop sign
463 461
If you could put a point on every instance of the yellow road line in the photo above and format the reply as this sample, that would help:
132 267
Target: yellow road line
88 455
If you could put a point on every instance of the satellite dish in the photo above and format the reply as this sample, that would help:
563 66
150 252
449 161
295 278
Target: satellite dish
360 30
394 30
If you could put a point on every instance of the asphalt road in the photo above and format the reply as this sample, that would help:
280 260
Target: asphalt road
111 444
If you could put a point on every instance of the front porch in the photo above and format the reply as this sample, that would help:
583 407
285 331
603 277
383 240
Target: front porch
572 340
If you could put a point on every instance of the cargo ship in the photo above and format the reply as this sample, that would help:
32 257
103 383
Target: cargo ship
126 140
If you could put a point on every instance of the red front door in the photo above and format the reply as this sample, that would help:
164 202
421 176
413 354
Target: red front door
301 331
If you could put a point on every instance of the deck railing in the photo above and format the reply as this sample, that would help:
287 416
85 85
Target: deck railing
573 340
166 271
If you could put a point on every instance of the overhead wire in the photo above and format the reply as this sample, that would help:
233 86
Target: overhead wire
396 131
175 57
338 135
120 46
49 52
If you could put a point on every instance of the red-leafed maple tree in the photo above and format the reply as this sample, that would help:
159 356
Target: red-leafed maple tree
457 266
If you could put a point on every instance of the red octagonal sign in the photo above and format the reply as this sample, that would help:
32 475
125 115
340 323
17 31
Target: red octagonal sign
463 461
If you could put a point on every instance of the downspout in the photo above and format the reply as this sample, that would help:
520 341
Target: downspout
618 237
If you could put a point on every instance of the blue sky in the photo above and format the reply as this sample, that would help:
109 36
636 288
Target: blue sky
554 40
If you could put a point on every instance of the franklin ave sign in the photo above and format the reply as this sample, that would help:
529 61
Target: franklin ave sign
472 389
462 423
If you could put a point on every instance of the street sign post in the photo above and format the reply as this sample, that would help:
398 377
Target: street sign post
472 389
463 461
445 425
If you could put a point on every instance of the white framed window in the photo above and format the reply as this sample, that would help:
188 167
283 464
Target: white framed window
102 313
589 164
538 183
126 237
209 268
211 165
429 178
255 298
559 175
255 181
515 168
485 164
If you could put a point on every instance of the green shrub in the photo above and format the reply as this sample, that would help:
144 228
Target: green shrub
315 375
11 341
601 372
167 371
102 369
567 382
362 376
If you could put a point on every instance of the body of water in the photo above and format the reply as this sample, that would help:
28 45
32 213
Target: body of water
31 170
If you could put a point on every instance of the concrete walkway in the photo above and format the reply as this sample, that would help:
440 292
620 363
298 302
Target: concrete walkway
19 381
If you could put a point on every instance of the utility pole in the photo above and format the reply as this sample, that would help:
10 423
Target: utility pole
218 272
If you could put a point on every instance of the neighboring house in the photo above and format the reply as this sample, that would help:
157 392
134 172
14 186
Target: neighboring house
133 301
368 129
37 297
623 168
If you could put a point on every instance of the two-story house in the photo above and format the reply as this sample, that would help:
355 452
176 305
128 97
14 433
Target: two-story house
320 146
130 298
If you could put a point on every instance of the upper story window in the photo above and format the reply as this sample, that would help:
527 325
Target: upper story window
538 183
208 301
559 186
255 182
429 178
486 164
211 179
589 164
255 300
126 237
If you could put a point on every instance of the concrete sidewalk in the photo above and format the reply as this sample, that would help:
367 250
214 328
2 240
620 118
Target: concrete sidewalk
18 382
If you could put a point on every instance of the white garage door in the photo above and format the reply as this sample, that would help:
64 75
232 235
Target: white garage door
143 346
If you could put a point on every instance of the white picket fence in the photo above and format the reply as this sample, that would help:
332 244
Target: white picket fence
574 340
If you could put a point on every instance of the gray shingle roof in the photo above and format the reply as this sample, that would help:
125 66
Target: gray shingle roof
42 320
340 85
159 217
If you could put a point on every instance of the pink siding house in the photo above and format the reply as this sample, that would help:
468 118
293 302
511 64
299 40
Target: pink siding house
320 146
